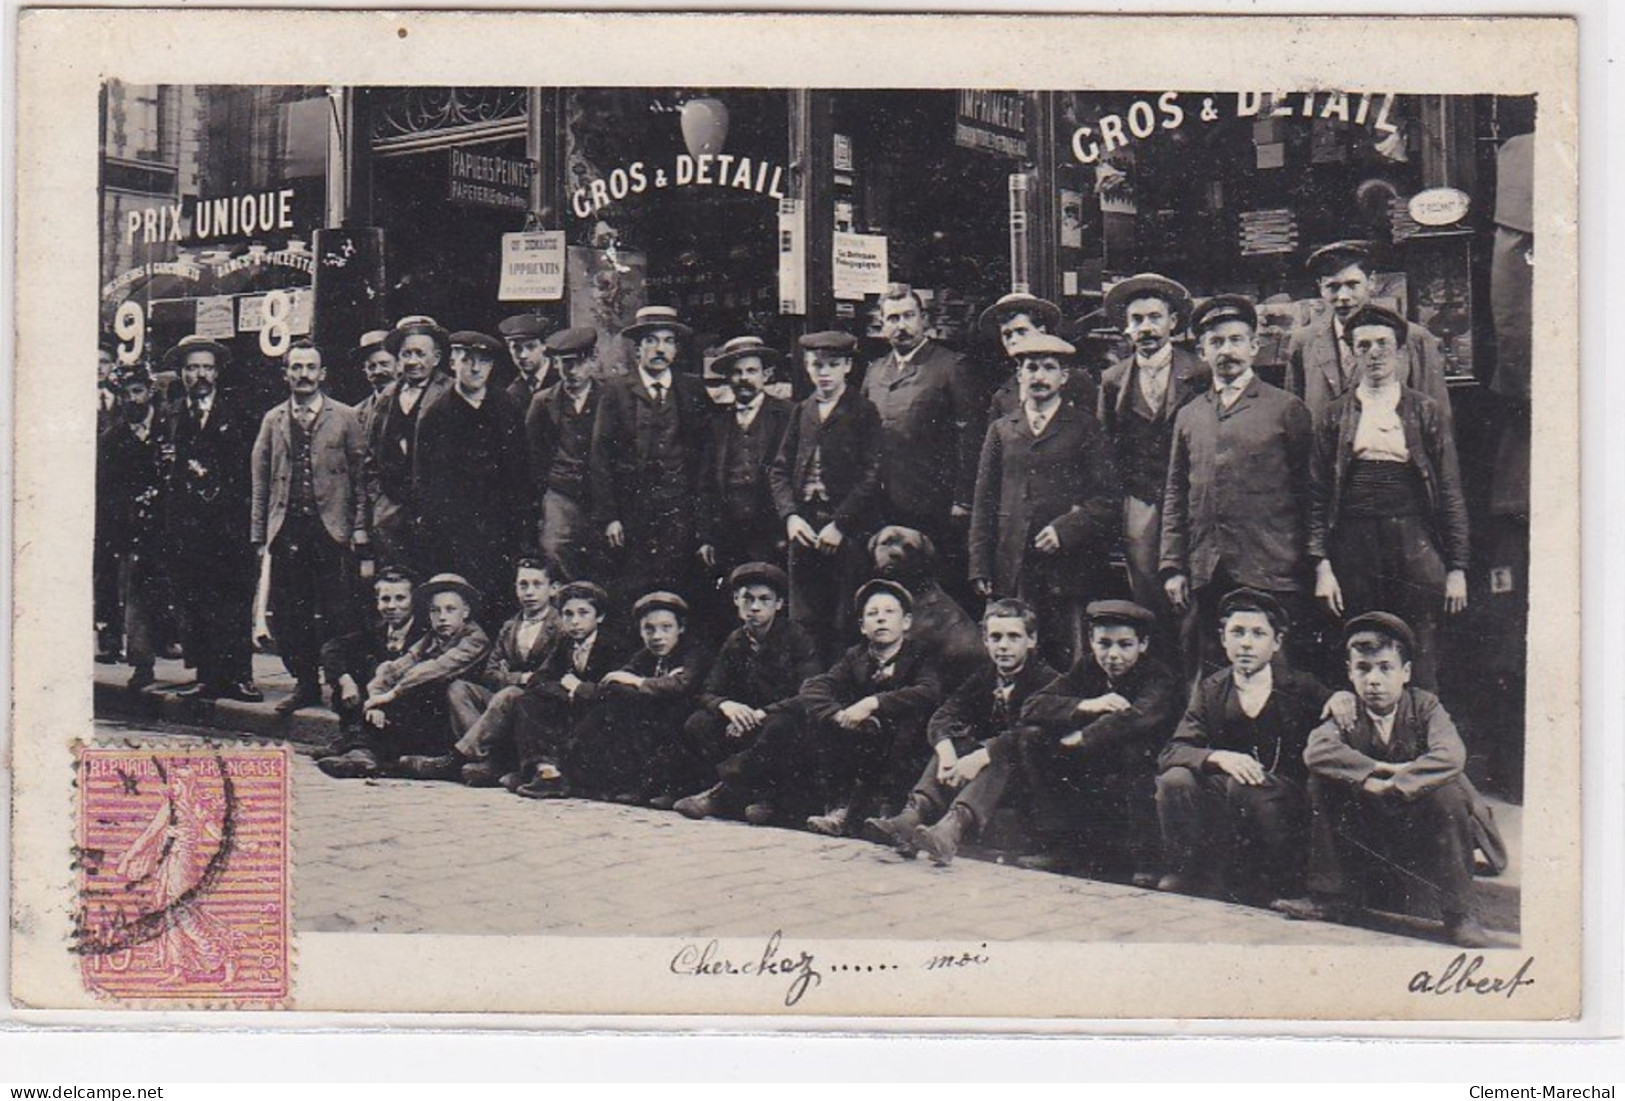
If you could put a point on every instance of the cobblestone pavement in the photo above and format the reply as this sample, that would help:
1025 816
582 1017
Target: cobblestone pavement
400 856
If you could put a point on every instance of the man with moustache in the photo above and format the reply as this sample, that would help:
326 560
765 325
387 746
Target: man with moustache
471 474
1140 395
933 414
524 334
1012 319
207 496
558 431
309 515
1319 364
380 369
1236 503
738 523
647 448
420 348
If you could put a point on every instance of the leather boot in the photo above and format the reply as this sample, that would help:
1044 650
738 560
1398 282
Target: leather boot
896 831
941 841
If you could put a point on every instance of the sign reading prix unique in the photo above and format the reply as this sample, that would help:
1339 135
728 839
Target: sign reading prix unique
480 179
860 265
994 122
532 267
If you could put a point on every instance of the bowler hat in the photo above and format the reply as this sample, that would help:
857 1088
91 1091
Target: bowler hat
1255 600
1333 258
829 340
1385 624
1221 308
522 326
468 338
654 318
176 356
418 325
448 583
1046 313
1375 315
1042 344
740 347
572 343
883 585
760 573
1103 612
660 600
1147 285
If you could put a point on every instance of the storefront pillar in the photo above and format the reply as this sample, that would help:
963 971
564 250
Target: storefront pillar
1043 201
811 156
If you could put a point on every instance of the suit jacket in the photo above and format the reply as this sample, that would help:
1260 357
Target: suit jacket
1238 490
1424 745
910 694
769 427
337 456
1063 478
521 390
470 469
673 691
433 661
508 664
607 654
129 488
1314 372
933 414
1432 449
848 444
966 717
391 443
359 653
208 486
759 676
621 455
1140 449
1299 697
544 425
1130 739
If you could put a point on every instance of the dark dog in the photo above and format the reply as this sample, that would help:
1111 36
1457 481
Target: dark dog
908 557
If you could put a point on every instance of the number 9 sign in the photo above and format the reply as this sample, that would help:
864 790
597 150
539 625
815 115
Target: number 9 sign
275 330
130 326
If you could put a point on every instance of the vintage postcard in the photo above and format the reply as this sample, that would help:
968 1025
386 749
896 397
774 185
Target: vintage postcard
823 518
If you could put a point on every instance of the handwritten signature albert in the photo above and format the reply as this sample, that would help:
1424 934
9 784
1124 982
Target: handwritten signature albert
1461 976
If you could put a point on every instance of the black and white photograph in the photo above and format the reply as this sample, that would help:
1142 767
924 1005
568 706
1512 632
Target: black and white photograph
817 532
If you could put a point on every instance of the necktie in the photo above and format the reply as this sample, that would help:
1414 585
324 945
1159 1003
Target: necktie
659 393
742 415
579 659
660 668
304 416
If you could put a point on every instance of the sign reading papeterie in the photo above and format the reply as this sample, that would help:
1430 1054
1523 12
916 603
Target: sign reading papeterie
532 266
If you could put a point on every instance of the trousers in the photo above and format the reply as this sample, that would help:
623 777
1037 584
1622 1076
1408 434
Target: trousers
1250 833
312 596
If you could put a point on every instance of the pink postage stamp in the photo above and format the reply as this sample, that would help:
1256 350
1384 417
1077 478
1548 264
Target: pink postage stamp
182 868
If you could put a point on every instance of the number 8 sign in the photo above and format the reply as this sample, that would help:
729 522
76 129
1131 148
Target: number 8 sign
275 330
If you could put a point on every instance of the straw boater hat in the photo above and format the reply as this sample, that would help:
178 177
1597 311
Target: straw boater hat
176 356
1147 285
740 347
370 342
448 583
652 318
1046 313
419 325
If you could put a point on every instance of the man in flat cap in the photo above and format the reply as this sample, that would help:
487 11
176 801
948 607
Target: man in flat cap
558 432
826 490
647 451
208 495
1236 504
471 474
933 414
422 353
1319 364
525 335
1140 395
737 520
309 515
1047 501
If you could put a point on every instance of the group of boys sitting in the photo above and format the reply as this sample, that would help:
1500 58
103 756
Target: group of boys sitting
1266 788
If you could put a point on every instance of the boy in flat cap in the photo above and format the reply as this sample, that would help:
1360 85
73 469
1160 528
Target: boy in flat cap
1230 794
471 473
614 752
1389 793
737 520
972 742
558 430
826 489
1320 366
1235 508
762 663
1088 742
524 333
1140 395
1047 501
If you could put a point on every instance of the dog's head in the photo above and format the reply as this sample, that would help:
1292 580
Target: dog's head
902 554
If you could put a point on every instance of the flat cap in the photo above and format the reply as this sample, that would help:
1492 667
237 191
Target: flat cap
1120 611
1384 624
1221 308
882 586
522 325
660 600
1046 313
1375 315
1333 258
568 343
483 342
829 340
590 591
1146 285
760 573
1255 600
1042 344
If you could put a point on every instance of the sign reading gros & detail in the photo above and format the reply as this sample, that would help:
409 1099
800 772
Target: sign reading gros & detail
708 169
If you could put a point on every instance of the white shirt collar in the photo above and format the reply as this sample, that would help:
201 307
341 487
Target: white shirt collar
748 412
1162 359
472 402
650 381
1384 725
903 359
1230 392
315 405
1261 681
1038 418
1385 396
